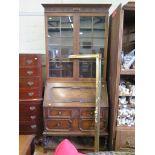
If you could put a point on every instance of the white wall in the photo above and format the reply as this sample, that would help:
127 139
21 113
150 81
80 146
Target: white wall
31 20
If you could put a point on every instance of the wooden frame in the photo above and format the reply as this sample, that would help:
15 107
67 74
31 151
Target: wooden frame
115 48
76 10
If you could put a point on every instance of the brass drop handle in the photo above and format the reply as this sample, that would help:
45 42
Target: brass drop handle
33 117
29 72
91 113
29 61
33 126
32 108
59 112
30 94
30 83
58 124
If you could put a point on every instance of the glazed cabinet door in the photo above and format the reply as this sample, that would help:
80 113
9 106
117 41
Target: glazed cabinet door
60 45
92 37
75 33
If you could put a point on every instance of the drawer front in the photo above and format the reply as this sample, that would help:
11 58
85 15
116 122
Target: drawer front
125 139
27 110
30 82
29 59
89 125
61 112
58 124
87 112
34 118
29 127
90 113
29 72
29 93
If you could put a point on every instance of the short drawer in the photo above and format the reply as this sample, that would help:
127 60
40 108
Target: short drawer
90 112
29 82
29 59
89 125
27 110
34 118
29 127
29 72
60 112
58 124
29 93
125 138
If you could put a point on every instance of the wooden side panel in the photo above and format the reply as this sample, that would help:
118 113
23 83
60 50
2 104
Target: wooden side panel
116 30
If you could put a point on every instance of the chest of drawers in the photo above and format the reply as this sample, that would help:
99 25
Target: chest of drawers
30 94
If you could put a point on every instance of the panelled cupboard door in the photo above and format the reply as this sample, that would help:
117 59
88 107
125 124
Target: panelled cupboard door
115 44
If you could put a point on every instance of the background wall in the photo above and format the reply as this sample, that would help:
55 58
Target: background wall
31 22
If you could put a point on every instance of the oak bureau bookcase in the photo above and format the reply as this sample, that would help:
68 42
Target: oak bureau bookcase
70 90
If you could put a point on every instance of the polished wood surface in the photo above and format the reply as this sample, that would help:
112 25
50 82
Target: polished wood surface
69 102
26 146
121 39
30 94
125 138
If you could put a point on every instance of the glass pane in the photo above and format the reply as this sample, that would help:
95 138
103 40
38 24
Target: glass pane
67 41
84 50
66 32
54 41
67 21
67 69
53 21
98 41
87 68
98 49
60 69
66 51
98 33
99 22
85 22
53 32
54 52
85 32
86 42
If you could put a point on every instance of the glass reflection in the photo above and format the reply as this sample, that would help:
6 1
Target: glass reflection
53 21
86 22
67 22
99 22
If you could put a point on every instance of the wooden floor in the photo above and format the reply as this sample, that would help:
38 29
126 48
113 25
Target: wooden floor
39 151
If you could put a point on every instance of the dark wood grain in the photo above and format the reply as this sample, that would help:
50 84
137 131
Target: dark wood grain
30 94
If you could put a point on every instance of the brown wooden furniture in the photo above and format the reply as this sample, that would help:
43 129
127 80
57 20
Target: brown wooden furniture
122 31
70 91
26 144
30 94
